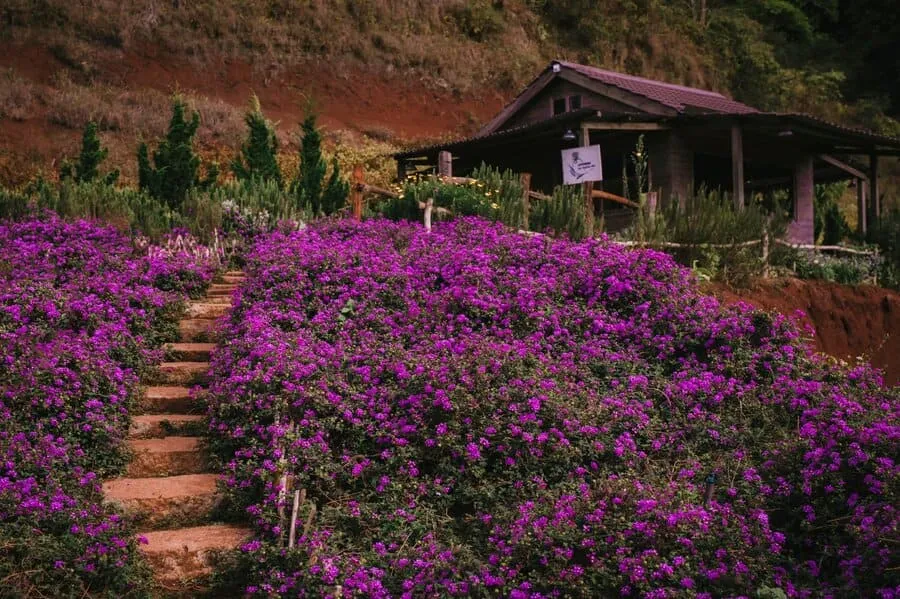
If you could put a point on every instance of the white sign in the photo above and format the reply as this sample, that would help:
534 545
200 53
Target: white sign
581 165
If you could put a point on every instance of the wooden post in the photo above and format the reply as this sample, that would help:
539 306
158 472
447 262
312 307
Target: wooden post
874 200
765 247
861 212
445 164
525 178
588 208
429 204
292 534
401 170
737 166
356 191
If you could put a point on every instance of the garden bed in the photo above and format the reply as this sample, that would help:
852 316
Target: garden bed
473 412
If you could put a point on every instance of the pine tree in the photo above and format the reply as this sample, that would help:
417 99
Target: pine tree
311 191
258 154
175 167
87 169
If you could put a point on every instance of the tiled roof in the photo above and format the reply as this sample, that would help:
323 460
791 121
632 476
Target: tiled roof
681 98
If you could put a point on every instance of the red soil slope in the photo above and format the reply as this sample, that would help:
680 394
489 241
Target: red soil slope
849 321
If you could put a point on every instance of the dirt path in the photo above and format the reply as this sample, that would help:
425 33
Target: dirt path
849 321
169 491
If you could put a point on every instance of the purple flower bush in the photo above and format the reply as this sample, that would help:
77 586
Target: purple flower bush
476 413
81 318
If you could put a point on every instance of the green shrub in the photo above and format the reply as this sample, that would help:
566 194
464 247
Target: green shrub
258 154
478 20
175 167
312 191
709 218
86 169
846 270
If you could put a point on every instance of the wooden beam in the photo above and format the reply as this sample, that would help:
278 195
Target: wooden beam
605 195
737 166
861 216
874 200
844 166
588 189
527 94
594 126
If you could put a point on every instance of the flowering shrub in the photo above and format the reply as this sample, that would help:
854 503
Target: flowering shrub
81 318
473 412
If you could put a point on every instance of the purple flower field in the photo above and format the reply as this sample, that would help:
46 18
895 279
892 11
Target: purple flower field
478 413
80 315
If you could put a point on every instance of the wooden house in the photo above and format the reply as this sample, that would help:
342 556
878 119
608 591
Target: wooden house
692 138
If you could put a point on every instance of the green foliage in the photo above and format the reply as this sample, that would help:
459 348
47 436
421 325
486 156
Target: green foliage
830 225
844 269
493 194
885 234
709 218
478 20
175 167
311 190
86 169
562 214
126 208
258 154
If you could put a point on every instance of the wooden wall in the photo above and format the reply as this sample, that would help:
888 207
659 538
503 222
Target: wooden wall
541 106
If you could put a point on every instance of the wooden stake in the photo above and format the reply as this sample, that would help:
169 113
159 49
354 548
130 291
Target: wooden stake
525 178
292 535
429 205
356 191
737 167
588 208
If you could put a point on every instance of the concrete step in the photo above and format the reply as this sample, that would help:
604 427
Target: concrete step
181 555
153 426
182 373
191 352
168 456
168 501
172 399
197 330
203 309
233 279
235 273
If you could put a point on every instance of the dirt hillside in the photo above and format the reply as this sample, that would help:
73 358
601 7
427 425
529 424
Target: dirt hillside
849 321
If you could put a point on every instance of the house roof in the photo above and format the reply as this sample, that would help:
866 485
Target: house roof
829 136
677 97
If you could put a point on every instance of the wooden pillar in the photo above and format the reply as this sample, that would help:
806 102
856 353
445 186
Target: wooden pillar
356 191
861 213
874 200
737 166
445 164
801 229
525 178
588 189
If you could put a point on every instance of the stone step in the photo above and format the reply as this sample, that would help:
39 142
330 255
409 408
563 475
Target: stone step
221 288
235 273
172 399
152 426
168 456
182 373
193 330
207 310
181 555
217 299
233 279
191 352
166 501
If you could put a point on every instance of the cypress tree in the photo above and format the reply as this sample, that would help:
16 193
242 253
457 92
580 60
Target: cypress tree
175 168
310 187
92 153
258 153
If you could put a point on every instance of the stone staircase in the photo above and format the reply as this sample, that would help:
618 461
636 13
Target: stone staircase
168 490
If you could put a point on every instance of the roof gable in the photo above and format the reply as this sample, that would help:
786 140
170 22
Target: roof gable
644 95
